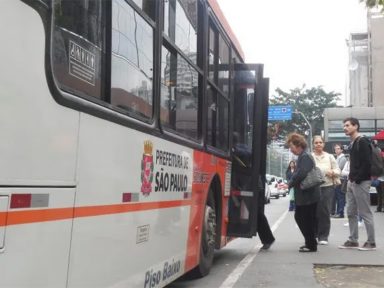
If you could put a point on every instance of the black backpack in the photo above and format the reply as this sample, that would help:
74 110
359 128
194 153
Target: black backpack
377 162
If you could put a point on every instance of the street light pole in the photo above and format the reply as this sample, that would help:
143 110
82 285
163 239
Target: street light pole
309 125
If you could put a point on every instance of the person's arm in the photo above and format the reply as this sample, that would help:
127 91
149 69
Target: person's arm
345 172
303 167
335 168
342 162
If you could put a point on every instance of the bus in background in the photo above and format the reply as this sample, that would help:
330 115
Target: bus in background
116 155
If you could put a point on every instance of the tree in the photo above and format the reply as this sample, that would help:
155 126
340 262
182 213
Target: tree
374 3
311 102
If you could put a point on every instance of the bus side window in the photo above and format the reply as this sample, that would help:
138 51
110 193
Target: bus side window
132 61
78 46
180 25
218 90
179 94
180 75
148 6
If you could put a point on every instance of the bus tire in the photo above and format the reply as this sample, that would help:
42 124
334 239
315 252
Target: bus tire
208 236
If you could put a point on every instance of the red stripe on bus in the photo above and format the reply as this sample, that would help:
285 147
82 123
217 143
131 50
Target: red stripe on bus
55 214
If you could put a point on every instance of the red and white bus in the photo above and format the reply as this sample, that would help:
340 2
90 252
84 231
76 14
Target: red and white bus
116 124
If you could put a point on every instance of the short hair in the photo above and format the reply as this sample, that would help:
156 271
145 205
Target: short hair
354 121
338 145
297 140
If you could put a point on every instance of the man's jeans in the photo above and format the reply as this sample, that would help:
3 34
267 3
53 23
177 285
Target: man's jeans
358 203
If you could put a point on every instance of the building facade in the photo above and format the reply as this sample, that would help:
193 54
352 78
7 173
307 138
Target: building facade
365 93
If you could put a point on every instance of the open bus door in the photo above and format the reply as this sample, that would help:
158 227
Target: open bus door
249 126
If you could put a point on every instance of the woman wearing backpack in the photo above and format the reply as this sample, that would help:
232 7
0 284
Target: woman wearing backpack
327 164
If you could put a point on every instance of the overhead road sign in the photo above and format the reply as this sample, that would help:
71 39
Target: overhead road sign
280 113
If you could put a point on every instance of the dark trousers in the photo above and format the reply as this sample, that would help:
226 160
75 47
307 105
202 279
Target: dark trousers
340 200
264 230
380 196
305 216
323 212
334 204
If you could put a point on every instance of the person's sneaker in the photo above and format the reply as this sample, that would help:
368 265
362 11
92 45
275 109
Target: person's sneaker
368 247
346 224
323 242
349 245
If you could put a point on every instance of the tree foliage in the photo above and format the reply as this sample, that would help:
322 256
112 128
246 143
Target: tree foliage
310 102
373 3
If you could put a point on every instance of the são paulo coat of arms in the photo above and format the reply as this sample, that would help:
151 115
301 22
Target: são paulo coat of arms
147 168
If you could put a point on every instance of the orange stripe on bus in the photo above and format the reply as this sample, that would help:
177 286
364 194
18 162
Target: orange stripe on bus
44 215
122 208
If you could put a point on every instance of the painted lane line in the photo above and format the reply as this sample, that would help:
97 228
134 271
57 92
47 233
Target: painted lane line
232 278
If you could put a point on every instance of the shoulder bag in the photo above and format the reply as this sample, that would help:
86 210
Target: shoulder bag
314 177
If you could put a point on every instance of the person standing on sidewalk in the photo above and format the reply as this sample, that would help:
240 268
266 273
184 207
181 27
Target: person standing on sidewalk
345 175
380 184
358 200
339 195
327 164
305 200
288 175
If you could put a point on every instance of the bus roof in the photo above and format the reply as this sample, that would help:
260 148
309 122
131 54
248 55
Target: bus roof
220 15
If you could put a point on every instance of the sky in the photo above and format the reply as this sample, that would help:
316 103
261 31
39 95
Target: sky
298 41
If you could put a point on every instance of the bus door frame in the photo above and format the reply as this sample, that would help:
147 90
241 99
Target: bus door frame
247 228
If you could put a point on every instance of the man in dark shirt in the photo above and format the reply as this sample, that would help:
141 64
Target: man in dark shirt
358 199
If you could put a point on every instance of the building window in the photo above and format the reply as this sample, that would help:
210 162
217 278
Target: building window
379 125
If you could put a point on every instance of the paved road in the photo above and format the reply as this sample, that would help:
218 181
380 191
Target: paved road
241 264
227 259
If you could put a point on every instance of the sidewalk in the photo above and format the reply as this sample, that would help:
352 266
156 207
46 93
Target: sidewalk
284 266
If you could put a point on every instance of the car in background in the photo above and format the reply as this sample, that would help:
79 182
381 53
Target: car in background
267 194
282 187
277 185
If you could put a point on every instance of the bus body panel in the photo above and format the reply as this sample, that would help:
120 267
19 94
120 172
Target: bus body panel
126 249
36 248
137 189
38 137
